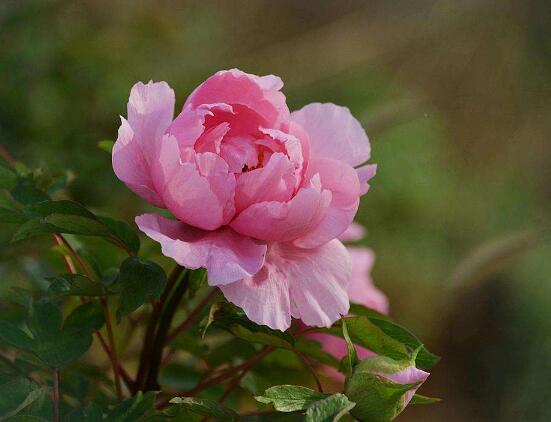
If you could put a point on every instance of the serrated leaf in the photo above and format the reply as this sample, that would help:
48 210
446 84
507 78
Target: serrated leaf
139 281
74 285
205 407
232 319
139 408
329 409
290 398
419 399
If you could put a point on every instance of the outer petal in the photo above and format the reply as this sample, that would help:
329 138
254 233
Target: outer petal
284 221
366 173
226 255
260 94
341 180
309 284
333 132
354 232
361 288
198 192
150 111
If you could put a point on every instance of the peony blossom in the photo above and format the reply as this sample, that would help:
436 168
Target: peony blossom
259 194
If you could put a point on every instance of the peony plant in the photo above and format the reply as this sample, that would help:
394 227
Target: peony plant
264 315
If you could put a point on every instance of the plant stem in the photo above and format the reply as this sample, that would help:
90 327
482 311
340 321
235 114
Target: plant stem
192 315
56 395
113 355
162 332
246 368
148 342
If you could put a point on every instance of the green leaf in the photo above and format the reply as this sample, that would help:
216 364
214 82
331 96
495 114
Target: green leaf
419 399
351 355
90 413
377 398
140 408
290 398
232 319
425 359
74 285
274 417
139 281
25 418
106 145
25 192
329 409
205 407
11 216
314 349
55 343
71 217
8 178
16 394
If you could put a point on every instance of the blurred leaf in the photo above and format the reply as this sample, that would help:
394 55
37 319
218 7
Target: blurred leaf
139 281
56 343
71 217
25 192
329 409
419 399
315 350
274 417
290 398
190 343
139 408
25 418
74 285
351 355
89 413
8 178
106 145
16 394
205 407
232 319
11 216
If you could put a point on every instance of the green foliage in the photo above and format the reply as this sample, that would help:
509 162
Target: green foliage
140 408
329 409
230 318
74 285
290 398
54 341
139 281
16 393
182 406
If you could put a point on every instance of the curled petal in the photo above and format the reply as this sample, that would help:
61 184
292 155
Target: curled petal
260 94
354 232
333 133
410 375
226 255
150 110
284 221
341 180
307 284
366 173
198 191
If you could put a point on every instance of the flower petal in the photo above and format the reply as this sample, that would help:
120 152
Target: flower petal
306 283
284 221
354 232
150 111
410 375
226 255
260 94
341 180
333 133
366 173
198 192
361 288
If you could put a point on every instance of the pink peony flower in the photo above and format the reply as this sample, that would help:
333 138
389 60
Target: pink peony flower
260 194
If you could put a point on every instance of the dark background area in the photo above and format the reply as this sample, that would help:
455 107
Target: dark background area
455 97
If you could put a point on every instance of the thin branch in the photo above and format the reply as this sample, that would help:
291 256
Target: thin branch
310 368
56 394
192 315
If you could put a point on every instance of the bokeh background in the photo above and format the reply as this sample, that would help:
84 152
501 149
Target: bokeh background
455 97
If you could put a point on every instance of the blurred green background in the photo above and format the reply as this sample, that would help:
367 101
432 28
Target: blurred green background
455 97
